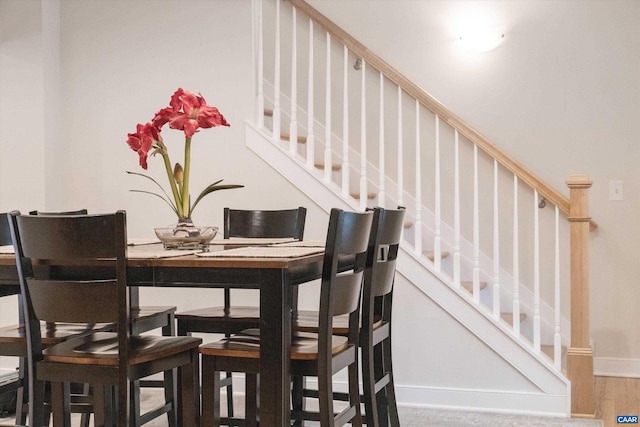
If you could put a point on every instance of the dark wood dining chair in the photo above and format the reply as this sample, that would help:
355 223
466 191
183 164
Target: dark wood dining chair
143 319
13 343
375 327
321 355
229 319
107 360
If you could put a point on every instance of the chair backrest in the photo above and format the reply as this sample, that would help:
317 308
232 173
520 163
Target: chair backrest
98 241
384 243
78 212
5 233
263 223
345 259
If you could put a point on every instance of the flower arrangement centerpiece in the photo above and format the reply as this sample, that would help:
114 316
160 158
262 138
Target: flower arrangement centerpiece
189 113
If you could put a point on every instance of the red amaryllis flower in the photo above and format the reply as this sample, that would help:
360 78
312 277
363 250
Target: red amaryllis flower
186 112
195 113
162 117
142 141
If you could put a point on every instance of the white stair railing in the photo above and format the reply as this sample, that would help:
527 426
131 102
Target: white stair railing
463 206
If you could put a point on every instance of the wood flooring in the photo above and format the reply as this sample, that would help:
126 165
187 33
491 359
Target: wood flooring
613 397
616 396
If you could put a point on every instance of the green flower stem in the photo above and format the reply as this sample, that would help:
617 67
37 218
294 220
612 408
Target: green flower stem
172 181
185 180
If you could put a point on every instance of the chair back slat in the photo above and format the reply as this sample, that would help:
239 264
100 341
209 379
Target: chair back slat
5 233
346 293
74 302
67 236
78 212
265 223
389 224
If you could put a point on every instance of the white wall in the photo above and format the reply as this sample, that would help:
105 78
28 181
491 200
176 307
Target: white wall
560 95
545 95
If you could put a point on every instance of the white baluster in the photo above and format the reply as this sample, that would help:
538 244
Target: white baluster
260 67
418 225
456 211
328 157
363 140
311 139
557 339
437 250
476 230
536 274
345 125
400 156
496 245
381 153
293 125
516 261
276 79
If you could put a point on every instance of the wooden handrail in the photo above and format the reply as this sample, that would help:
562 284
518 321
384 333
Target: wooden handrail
435 106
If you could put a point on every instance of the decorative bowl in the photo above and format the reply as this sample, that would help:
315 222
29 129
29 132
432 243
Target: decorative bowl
186 237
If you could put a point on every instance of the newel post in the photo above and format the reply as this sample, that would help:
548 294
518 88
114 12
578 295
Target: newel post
580 354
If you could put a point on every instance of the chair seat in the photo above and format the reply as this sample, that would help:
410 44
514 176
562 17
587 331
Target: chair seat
52 333
235 313
304 345
101 348
218 320
147 318
150 311
307 321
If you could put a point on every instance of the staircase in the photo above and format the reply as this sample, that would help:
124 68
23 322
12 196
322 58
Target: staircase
485 238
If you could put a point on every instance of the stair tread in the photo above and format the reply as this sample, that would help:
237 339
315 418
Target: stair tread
287 137
334 167
508 317
268 112
431 255
356 195
548 350
468 285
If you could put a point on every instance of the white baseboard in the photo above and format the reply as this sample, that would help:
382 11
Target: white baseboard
476 400
495 401
616 367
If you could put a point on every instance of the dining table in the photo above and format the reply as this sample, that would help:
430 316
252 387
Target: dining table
273 273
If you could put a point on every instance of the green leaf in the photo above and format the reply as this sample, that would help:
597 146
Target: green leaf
211 188
159 186
157 195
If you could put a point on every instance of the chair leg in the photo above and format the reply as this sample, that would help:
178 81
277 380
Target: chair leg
210 392
101 405
122 401
392 407
60 405
171 377
22 393
251 400
354 393
298 400
325 396
134 407
369 387
36 403
229 387
189 392
84 418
